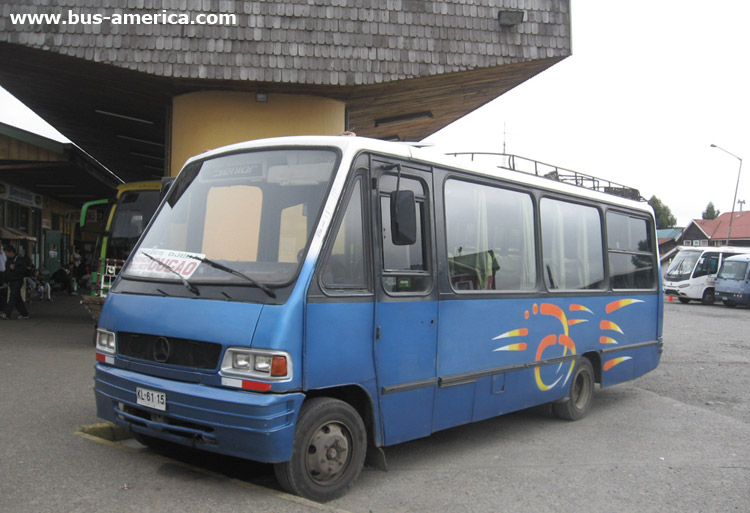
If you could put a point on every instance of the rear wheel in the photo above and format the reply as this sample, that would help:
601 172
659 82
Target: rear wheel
708 297
330 443
576 405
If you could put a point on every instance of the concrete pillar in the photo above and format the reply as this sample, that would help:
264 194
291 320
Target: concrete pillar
205 120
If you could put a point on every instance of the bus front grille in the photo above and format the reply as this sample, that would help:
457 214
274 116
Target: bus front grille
169 350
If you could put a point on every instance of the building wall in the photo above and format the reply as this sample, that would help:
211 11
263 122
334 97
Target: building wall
693 233
209 119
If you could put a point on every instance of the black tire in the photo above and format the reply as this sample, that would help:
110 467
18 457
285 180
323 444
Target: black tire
708 297
330 444
729 303
578 401
683 300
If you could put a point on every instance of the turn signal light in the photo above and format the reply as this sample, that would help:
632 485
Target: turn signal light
278 366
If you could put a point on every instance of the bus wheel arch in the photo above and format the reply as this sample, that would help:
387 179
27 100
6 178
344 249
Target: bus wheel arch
576 404
330 444
357 398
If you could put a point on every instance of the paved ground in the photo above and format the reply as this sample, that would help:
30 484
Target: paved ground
677 439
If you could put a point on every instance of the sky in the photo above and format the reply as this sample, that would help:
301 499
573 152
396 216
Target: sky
650 86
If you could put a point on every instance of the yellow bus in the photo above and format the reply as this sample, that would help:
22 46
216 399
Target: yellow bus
128 214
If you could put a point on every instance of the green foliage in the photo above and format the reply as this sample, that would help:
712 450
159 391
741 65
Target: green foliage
710 212
664 217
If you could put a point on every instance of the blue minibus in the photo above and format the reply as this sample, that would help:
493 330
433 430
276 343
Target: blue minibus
733 281
307 301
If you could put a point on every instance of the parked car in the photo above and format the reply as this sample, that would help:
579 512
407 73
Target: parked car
733 281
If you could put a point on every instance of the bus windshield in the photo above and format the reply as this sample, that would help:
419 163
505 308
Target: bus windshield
236 219
683 265
132 213
733 270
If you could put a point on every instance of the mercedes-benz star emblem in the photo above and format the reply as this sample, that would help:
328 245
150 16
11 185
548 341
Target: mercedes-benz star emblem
161 350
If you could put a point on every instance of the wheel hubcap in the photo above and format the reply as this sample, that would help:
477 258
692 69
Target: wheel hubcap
328 452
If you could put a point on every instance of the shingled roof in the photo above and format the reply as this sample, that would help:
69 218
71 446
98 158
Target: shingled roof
341 42
404 68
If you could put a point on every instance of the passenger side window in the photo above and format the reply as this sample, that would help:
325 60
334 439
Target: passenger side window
345 266
572 248
631 258
490 237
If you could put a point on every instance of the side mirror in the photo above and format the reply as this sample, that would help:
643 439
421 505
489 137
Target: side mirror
403 218
166 184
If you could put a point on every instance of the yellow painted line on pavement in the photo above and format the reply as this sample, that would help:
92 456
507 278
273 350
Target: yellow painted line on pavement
100 433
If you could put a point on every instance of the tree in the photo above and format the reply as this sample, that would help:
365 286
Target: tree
710 212
664 217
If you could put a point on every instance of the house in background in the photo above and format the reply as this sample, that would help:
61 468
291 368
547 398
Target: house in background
714 232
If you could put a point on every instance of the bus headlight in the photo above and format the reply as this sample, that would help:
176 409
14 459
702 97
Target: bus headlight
256 364
106 342
241 361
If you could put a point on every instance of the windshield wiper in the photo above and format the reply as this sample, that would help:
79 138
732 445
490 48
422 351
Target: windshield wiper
187 284
222 267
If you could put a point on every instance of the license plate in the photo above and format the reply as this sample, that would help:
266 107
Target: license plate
150 398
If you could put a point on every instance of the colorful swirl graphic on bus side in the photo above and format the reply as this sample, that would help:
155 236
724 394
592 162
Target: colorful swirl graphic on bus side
564 338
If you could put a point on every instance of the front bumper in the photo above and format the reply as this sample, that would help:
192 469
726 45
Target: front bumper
670 290
732 296
238 423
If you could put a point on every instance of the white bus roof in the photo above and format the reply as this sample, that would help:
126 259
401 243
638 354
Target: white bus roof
715 249
745 257
351 145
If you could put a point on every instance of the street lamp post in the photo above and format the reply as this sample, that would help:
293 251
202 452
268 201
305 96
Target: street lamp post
734 200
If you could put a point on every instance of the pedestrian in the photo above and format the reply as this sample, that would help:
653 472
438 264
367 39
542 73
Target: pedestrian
36 282
15 274
63 277
81 273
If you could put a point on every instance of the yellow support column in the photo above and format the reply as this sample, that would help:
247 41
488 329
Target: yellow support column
208 119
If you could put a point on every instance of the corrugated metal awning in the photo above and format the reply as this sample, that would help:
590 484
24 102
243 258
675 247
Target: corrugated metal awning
14 234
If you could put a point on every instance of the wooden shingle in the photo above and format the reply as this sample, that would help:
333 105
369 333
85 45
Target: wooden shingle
419 38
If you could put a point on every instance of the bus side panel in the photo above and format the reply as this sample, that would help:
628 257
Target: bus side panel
454 405
516 394
628 364
407 415
338 345
483 338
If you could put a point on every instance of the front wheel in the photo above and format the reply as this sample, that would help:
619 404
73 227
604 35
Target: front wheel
578 401
708 297
330 443
730 303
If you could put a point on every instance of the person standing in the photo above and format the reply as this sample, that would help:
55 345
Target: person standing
15 274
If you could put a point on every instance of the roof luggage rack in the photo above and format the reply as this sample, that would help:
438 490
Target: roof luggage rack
559 174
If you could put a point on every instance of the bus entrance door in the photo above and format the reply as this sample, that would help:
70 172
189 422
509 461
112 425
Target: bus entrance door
406 311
